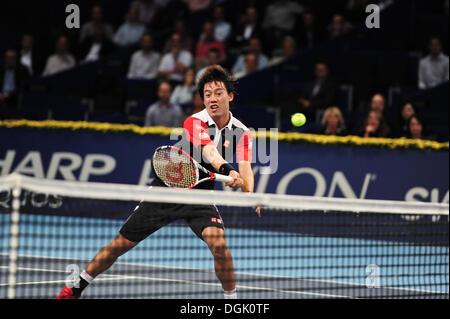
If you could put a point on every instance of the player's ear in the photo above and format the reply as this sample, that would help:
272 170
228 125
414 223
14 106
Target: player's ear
231 96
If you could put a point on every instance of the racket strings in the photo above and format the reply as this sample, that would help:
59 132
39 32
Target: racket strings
174 168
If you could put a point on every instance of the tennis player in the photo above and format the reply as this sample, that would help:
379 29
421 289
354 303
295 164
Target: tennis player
211 134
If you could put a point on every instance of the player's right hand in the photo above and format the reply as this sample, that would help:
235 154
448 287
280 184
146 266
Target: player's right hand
237 180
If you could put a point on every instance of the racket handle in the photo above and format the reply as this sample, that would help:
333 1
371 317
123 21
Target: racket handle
223 178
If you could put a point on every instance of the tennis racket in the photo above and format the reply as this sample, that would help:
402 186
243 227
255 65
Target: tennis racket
176 168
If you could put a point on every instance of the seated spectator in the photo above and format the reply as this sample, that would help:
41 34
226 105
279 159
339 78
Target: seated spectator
174 63
183 93
212 58
317 94
250 27
96 46
222 29
29 55
373 126
338 26
208 41
415 128
197 5
332 122
254 48
13 76
279 19
60 61
378 103
145 62
87 29
197 105
131 31
147 10
287 52
251 65
401 127
185 38
163 112
433 69
309 33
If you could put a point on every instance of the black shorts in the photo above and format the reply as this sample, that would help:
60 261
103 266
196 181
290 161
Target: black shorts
149 217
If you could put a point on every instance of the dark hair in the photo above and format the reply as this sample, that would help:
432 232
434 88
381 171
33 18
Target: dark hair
215 73
408 124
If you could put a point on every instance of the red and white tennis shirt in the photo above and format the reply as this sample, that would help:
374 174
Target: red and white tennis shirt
235 138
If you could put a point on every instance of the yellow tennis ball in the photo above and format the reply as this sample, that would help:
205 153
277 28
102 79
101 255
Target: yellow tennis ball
298 119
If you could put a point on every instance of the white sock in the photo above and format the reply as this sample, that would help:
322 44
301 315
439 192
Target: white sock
230 294
86 276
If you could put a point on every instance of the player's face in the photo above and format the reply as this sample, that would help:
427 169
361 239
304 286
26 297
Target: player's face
217 99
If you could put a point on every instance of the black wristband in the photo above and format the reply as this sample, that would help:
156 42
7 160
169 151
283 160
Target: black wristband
225 169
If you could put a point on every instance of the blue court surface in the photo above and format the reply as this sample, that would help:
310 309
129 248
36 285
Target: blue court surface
174 263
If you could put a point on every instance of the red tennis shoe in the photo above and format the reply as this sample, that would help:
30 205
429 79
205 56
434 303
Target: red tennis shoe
66 293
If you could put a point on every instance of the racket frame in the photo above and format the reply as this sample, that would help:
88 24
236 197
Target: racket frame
197 166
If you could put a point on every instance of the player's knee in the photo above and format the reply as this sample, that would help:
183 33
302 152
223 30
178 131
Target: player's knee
118 247
219 249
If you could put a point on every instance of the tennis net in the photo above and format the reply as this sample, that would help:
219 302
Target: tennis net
301 247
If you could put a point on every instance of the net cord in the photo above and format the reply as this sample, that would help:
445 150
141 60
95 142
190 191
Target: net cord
126 192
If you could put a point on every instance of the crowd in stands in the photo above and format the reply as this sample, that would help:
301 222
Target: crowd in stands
255 36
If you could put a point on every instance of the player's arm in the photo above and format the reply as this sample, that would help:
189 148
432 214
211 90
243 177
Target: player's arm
245 170
211 154
197 134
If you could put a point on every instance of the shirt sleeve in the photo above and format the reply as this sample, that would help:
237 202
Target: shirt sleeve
244 148
196 132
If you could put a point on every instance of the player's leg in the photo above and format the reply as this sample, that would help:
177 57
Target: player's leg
145 219
214 237
106 257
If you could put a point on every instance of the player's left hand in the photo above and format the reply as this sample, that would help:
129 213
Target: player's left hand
258 210
237 180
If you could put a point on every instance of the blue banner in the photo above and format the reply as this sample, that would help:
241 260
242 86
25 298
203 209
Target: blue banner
302 169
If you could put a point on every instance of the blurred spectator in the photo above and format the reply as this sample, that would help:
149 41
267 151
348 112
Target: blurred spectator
288 50
183 93
208 41
309 33
185 38
378 103
163 112
13 76
174 63
279 19
433 69
145 62
250 27
356 10
212 58
254 48
197 5
61 60
222 29
197 105
96 46
373 126
251 65
415 128
332 122
131 31
29 56
338 26
318 94
147 10
408 109
87 29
